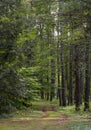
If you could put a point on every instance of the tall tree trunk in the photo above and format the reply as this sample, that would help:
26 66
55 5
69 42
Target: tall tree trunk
81 84
77 79
63 76
67 74
58 74
47 94
52 88
87 80
70 99
42 93
87 71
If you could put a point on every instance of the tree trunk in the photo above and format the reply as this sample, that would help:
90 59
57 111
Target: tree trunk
70 99
42 93
47 93
77 79
63 76
81 84
52 88
87 80
59 94
87 71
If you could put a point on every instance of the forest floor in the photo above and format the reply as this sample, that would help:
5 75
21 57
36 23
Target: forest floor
43 116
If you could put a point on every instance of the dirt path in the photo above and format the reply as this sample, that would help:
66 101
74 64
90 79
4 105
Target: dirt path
44 117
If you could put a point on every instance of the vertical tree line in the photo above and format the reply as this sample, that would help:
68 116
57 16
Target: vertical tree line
45 52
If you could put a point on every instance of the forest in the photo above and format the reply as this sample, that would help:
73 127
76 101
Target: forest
45 55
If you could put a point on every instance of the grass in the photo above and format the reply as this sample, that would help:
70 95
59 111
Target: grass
34 125
69 111
37 104
38 122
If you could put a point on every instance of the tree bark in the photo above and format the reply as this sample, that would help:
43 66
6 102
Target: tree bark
87 80
77 80
70 99
52 88
63 77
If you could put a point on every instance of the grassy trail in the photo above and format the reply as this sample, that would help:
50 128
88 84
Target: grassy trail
42 117
37 123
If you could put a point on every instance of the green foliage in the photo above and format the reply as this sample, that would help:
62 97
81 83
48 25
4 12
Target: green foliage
10 86
29 77
32 34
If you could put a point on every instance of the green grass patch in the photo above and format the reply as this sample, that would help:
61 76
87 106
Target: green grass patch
33 125
69 111
53 114
36 113
28 113
37 105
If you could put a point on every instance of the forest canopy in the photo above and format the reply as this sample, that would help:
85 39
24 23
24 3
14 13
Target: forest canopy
45 53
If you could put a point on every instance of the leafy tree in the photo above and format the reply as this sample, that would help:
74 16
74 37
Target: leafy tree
11 20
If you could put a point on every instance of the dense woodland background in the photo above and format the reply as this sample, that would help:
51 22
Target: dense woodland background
45 52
